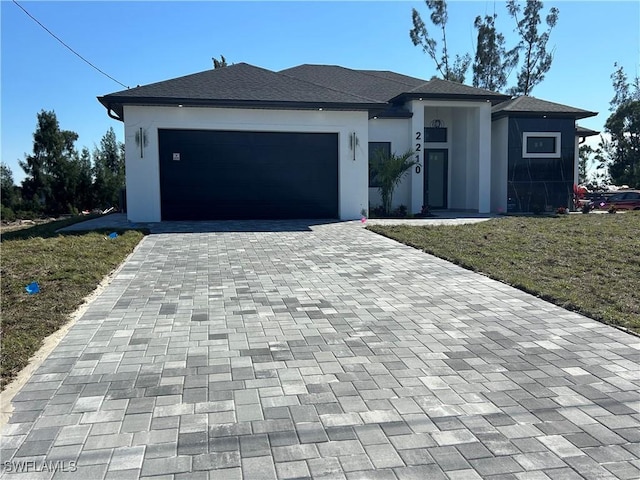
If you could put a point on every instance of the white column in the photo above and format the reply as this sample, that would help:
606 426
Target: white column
576 161
417 179
484 158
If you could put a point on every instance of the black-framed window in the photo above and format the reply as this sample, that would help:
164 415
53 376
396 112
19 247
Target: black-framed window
435 134
541 144
376 150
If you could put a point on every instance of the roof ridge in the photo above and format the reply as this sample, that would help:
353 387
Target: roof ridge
266 70
328 88
188 75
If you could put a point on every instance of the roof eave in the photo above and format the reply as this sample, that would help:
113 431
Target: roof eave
494 99
383 115
586 132
117 103
524 113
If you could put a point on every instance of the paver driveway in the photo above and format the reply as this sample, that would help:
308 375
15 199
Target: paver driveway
324 351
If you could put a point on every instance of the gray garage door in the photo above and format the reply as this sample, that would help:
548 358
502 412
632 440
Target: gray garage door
207 175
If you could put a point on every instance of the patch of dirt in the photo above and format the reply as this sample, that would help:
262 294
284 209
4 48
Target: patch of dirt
22 224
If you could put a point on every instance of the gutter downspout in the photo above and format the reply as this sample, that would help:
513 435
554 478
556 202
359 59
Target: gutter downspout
113 115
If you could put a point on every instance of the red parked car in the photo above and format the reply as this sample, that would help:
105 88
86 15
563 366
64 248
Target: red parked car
624 200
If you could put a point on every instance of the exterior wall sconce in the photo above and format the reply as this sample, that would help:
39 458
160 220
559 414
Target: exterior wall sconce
353 143
141 140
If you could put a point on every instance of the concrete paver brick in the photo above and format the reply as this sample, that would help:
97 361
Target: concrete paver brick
418 472
216 460
127 458
163 466
384 456
259 467
326 467
292 470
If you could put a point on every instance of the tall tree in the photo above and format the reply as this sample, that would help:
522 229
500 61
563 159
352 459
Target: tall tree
420 36
624 127
621 154
493 63
219 63
110 152
585 158
6 179
533 44
108 171
84 190
75 183
8 193
623 90
46 167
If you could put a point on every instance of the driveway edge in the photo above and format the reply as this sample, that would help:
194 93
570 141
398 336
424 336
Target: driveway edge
52 341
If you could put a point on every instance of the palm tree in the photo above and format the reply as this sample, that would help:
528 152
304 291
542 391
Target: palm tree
392 168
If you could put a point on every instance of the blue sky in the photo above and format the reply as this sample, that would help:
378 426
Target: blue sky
145 42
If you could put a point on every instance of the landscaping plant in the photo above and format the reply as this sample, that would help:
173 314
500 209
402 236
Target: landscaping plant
392 168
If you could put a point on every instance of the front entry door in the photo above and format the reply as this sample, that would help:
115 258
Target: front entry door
436 178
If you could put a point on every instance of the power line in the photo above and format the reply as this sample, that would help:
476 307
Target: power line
67 46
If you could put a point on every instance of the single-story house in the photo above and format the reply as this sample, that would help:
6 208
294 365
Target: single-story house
246 142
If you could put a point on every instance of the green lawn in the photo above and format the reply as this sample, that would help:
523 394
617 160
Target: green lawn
68 267
586 263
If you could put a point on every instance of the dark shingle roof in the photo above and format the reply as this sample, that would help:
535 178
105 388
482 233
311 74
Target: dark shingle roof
320 86
387 86
236 85
396 77
585 132
438 88
376 85
531 106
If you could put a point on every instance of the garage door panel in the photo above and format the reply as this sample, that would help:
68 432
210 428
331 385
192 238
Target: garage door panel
224 175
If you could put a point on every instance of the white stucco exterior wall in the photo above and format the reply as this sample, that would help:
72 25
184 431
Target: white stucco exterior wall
143 174
576 161
417 179
458 159
484 158
392 130
473 158
499 164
